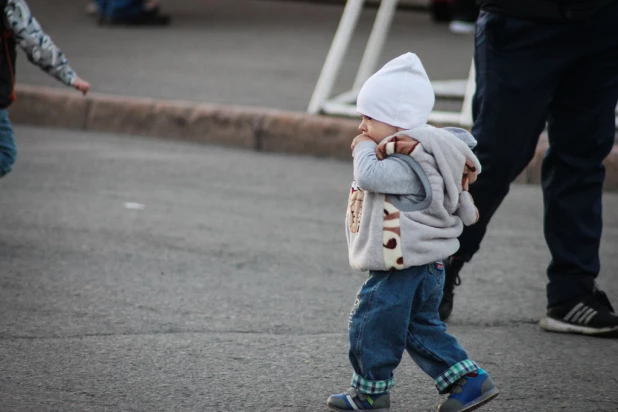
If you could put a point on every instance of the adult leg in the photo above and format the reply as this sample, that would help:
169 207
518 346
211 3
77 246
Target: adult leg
515 82
514 87
581 134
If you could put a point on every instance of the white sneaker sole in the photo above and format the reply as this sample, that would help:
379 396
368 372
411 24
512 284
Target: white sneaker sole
554 325
480 401
346 410
334 408
461 27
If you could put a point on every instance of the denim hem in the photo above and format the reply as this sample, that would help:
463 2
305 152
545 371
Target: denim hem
372 387
8 147
454 373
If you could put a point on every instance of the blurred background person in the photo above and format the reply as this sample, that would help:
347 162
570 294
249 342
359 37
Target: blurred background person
441 10
128 12
18 26
464 15
460 14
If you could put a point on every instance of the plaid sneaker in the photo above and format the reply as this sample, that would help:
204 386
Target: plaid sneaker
452 266
470 393
353 400
591 315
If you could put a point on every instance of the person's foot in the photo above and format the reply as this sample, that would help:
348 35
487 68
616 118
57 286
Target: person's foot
591 314
145 18
470 393
353 400
452 266
461 27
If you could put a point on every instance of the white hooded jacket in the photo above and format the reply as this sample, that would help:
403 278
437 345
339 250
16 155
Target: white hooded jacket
417 221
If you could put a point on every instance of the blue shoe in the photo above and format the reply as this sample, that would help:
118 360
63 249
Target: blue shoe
470 393
353 400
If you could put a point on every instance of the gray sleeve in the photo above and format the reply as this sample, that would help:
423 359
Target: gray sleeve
390 176
37 45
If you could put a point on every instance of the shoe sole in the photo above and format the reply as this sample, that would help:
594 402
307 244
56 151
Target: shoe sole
457 27
346 410
553 325
480 401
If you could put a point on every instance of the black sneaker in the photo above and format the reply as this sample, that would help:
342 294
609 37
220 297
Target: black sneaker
591 314
145 18
452 266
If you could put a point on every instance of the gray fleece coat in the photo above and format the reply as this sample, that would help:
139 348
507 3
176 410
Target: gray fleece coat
409 199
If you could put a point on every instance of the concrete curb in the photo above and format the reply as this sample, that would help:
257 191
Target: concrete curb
249 128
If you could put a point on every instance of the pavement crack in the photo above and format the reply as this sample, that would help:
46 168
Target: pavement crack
495 324
154 333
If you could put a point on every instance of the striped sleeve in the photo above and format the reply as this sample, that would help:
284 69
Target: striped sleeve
37 45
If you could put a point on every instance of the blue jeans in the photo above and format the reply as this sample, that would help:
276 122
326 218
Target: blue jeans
396 311
120 8
574 89
8 148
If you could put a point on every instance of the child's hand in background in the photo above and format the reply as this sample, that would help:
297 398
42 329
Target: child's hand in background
81 85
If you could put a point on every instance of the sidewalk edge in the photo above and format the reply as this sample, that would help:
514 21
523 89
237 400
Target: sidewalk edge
268 130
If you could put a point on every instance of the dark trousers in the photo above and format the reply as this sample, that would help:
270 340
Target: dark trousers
120 8
465 10
565 75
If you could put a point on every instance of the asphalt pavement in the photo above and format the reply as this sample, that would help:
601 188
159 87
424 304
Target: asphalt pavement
139 274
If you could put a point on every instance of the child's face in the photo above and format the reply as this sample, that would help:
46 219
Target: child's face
376 130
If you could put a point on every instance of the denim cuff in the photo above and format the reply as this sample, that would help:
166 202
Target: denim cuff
371 387
454 373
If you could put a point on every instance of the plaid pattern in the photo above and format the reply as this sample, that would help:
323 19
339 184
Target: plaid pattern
371 387
454 373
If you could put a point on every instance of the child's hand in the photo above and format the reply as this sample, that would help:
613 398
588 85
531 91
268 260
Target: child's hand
81 85
360 138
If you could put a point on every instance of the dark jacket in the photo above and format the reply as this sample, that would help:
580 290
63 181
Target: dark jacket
7 62
555 10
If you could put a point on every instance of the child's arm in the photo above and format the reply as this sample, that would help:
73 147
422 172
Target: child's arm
390 176
37 45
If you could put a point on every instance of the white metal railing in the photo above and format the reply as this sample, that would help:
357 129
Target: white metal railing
344 104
